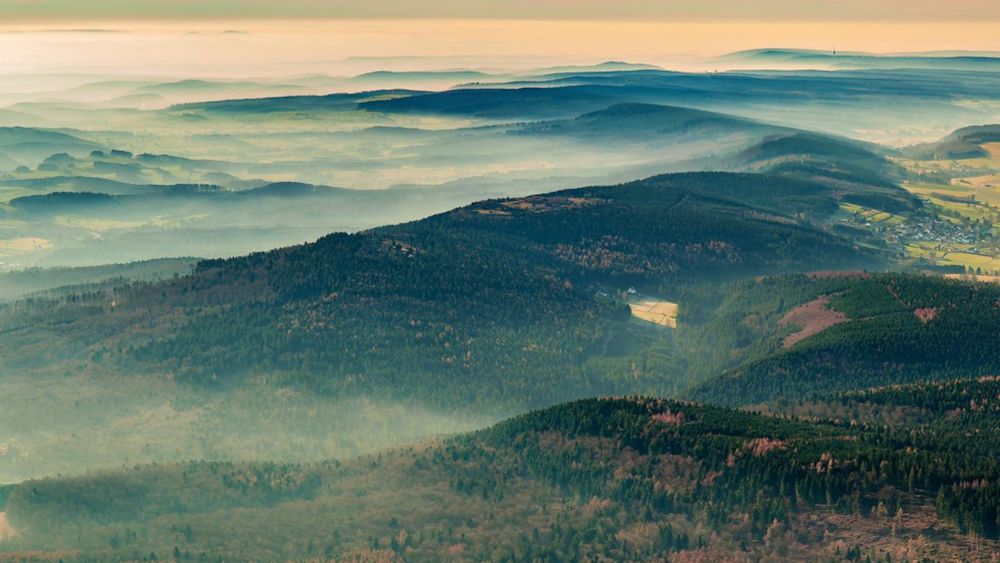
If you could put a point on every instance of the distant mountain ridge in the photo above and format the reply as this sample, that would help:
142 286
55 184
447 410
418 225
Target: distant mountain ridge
964 143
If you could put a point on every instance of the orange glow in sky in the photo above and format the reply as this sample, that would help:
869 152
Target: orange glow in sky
263 45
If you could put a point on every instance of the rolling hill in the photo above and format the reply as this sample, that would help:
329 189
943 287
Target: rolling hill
805 58
621 479
25 145
330 102
489 304
635 123
882 102
862 331
965 143
18 284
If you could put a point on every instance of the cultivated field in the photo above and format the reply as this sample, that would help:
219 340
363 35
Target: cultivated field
965 199
953 255
659 312
871 215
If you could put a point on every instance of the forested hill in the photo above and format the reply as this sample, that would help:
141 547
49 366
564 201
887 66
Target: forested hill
850 333
965 143
498 303
619 479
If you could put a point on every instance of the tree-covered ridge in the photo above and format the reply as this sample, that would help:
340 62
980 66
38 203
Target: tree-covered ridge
745 454
498 303
902 328
923 402
965 143
626 479
980 396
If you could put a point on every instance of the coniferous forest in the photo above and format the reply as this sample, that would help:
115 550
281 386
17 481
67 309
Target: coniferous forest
525 282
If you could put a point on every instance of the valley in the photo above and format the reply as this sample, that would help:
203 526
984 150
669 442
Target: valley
584 312
647 478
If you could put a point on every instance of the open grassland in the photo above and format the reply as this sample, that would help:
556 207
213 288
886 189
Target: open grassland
955 168
985 181
963 199
659 312
871 215
953 255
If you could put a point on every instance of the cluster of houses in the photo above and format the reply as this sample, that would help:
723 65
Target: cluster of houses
936 230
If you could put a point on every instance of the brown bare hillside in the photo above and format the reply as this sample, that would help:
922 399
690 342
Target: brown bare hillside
813 317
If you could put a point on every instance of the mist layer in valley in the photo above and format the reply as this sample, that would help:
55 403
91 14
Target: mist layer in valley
227 286
100 169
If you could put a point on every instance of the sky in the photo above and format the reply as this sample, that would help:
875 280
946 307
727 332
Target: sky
808 10
246 38
272 47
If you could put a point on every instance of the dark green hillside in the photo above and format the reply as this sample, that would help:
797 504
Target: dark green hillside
618 479
808 155
489 303
873 96
645 123
34 280
60 202
963 144
504 103
956 406
899 329
492 304
295 104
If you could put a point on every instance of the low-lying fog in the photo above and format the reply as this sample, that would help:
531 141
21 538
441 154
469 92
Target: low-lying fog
81 422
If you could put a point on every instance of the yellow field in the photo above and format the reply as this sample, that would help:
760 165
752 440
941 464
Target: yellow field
871 215
659 312
984 202
987 181
953 255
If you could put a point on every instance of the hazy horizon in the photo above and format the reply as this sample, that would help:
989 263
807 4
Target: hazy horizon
247 48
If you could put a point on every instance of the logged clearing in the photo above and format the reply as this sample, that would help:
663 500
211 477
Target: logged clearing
5 530
542 204
973 277
813 317
660 312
